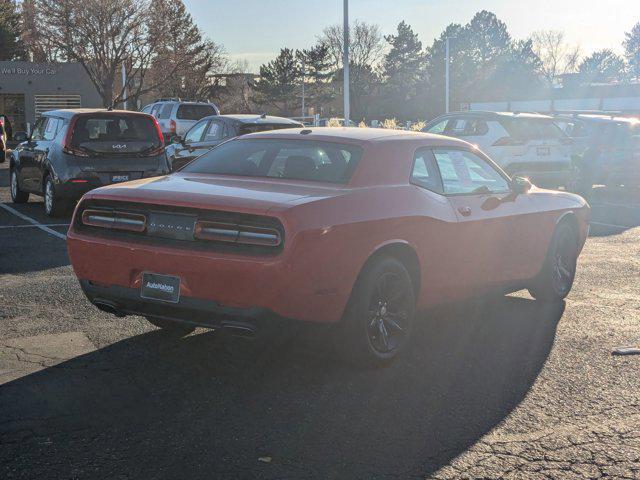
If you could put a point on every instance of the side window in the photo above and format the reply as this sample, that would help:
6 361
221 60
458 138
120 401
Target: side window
463 172
456 127
147 109
194 135
425 172
165 111
475 127
156 109
51 128
215 132
38 129
439 127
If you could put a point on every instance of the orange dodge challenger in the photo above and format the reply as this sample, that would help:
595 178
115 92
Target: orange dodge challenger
352 226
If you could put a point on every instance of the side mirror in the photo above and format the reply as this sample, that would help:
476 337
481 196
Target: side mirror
520 185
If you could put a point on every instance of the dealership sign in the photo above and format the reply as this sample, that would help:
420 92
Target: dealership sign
35 70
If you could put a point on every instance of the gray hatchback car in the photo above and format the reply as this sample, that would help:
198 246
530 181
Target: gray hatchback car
73 151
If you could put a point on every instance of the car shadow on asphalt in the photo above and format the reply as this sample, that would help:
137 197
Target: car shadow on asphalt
207 406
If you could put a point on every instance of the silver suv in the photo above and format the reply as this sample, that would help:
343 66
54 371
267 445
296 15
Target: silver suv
176 117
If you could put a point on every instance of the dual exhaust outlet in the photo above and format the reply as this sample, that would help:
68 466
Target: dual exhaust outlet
236 329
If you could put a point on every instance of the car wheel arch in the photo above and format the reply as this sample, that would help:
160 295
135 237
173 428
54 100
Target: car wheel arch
402 251
570 219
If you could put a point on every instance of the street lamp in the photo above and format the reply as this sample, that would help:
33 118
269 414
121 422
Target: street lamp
345 62
446 73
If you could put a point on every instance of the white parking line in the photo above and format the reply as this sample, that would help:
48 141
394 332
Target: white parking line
609 225
42 227
35 226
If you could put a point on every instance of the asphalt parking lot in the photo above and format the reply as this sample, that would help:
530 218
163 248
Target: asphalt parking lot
507 388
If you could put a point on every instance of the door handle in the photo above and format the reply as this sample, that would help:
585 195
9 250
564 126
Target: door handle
464 211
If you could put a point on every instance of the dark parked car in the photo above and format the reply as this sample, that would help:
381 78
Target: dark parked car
607 150
71 152
214 129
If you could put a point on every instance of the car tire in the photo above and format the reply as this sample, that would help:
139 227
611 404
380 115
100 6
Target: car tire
556 278
53 204
17 195
379 316
171 326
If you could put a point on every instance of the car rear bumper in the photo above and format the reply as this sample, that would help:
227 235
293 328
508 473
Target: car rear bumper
122 301
246 283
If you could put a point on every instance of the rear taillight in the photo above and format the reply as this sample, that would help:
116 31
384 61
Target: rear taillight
237 234
507 142
67 146
172 127
133 222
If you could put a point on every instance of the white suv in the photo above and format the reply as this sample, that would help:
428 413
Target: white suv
175 117
525 144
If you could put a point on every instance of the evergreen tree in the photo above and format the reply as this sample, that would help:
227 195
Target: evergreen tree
317 73
631 46
279 83
403 72
183 50
11 47
601 66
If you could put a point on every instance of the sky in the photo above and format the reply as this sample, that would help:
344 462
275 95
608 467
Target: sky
255 30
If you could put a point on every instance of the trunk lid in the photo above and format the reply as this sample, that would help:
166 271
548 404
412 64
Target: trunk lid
204 191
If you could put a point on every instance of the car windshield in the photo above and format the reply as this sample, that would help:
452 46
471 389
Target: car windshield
532 129
289 159
194 111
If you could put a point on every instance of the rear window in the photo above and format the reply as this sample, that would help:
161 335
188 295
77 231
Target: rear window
532 129
114 128
263 127
272 158
194 111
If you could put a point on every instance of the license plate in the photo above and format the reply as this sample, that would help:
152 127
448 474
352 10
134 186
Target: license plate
119 178
165 288
543 151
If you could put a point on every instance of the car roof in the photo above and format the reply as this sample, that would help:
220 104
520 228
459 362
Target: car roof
594 117
70 112
251 119
489 114
358 135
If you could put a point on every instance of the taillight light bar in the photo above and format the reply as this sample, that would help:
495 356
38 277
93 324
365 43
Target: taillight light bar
237 234
133 222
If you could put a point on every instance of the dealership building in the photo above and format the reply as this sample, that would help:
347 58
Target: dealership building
29 89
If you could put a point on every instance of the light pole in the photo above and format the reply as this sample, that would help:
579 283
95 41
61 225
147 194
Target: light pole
345 62
303 74
124 86
446 74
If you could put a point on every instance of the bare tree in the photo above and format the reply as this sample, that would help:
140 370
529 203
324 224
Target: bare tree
366 50
233 90
38 47
366 44
557 56
105 35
